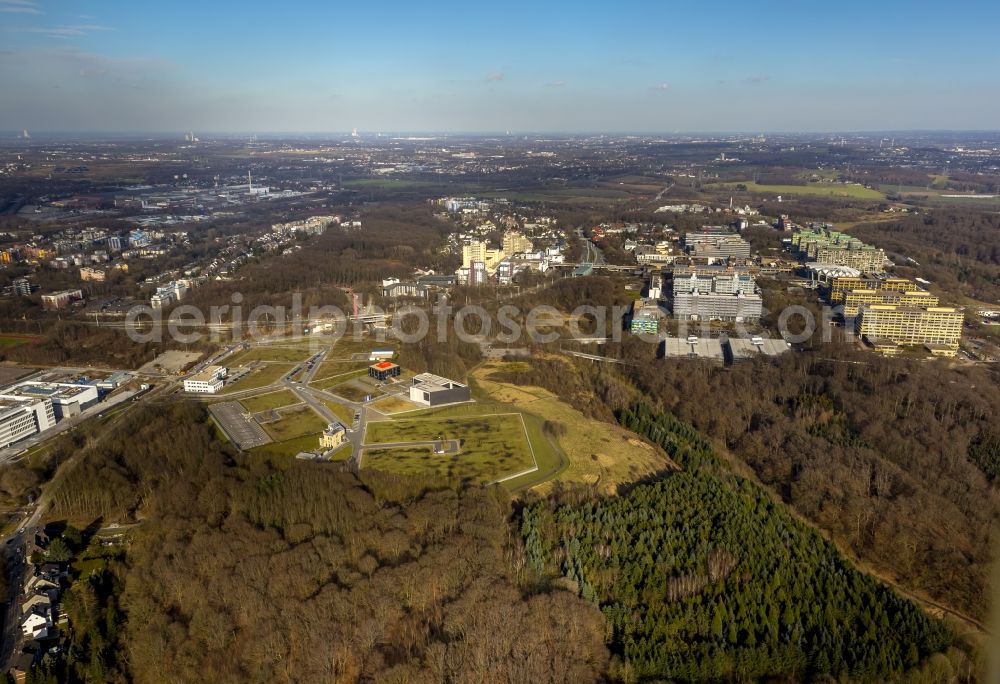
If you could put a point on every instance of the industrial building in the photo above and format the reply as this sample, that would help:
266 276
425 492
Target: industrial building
383 370
208 381
705 348
67 399
433 390
885 326
718 307
23 416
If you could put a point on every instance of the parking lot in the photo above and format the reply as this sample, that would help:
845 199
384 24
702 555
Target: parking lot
243 432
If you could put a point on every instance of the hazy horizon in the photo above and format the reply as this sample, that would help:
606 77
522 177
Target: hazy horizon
115 67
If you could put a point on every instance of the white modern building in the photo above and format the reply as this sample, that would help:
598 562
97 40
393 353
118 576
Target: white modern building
208 381
68 399
433 390
22 417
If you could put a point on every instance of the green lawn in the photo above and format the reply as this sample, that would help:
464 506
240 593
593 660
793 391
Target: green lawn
260 377
295 423
339 371
345 413
282 354
492 446
271 400
15 340
820 189
290 447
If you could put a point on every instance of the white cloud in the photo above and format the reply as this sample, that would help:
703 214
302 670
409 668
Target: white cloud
74 31
555 84
662 87
494 77
19 7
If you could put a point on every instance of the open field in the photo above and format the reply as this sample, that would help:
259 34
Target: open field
600 454
391 405
271 400
350 390
281 354
262 376
334 369
492 446
819 189
295 423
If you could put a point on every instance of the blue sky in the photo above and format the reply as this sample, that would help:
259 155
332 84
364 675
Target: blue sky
76 65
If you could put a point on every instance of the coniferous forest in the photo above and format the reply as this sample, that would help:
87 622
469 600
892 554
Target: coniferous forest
702 578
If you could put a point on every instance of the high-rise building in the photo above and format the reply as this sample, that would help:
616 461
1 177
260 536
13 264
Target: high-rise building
937 327
515 242
841 285
855 299
717 307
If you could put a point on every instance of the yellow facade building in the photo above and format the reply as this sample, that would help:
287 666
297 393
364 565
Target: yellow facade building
885 325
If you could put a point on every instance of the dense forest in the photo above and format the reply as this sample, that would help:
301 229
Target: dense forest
959 251
897 459
248 571
702 578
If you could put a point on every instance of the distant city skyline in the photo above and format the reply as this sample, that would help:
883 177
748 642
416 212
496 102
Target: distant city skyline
120 67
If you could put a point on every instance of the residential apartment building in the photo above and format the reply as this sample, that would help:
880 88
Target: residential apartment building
515 242
478 250
92 274
937 327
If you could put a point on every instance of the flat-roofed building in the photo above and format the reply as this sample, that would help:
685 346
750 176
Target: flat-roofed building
705 348
706 279
840 285
433 390
911 325
60 300
68 399
208 381
23 416
718 307
739 348
646 316
828 246
383 370
855 299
